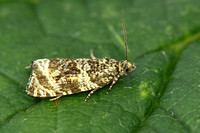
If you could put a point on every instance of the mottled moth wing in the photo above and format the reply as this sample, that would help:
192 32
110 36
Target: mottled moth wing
64 76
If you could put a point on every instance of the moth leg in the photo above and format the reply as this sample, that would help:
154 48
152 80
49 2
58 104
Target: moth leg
91 54
91 92
55 98
28 67
114 81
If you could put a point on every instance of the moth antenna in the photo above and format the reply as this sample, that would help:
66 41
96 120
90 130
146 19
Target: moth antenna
124 31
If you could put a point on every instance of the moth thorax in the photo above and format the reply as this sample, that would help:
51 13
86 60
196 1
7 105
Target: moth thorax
125 67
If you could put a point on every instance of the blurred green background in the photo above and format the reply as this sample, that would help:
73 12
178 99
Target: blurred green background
161 95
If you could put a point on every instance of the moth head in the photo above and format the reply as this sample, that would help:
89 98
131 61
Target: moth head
125 67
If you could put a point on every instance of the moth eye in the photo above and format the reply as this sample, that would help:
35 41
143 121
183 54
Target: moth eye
127 70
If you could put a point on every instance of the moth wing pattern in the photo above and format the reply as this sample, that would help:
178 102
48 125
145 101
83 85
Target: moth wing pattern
65 76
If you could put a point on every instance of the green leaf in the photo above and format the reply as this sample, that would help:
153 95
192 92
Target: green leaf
161 95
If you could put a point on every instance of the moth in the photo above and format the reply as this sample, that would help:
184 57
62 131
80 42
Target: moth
65 76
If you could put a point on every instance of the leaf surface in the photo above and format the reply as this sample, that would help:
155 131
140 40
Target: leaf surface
161 95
